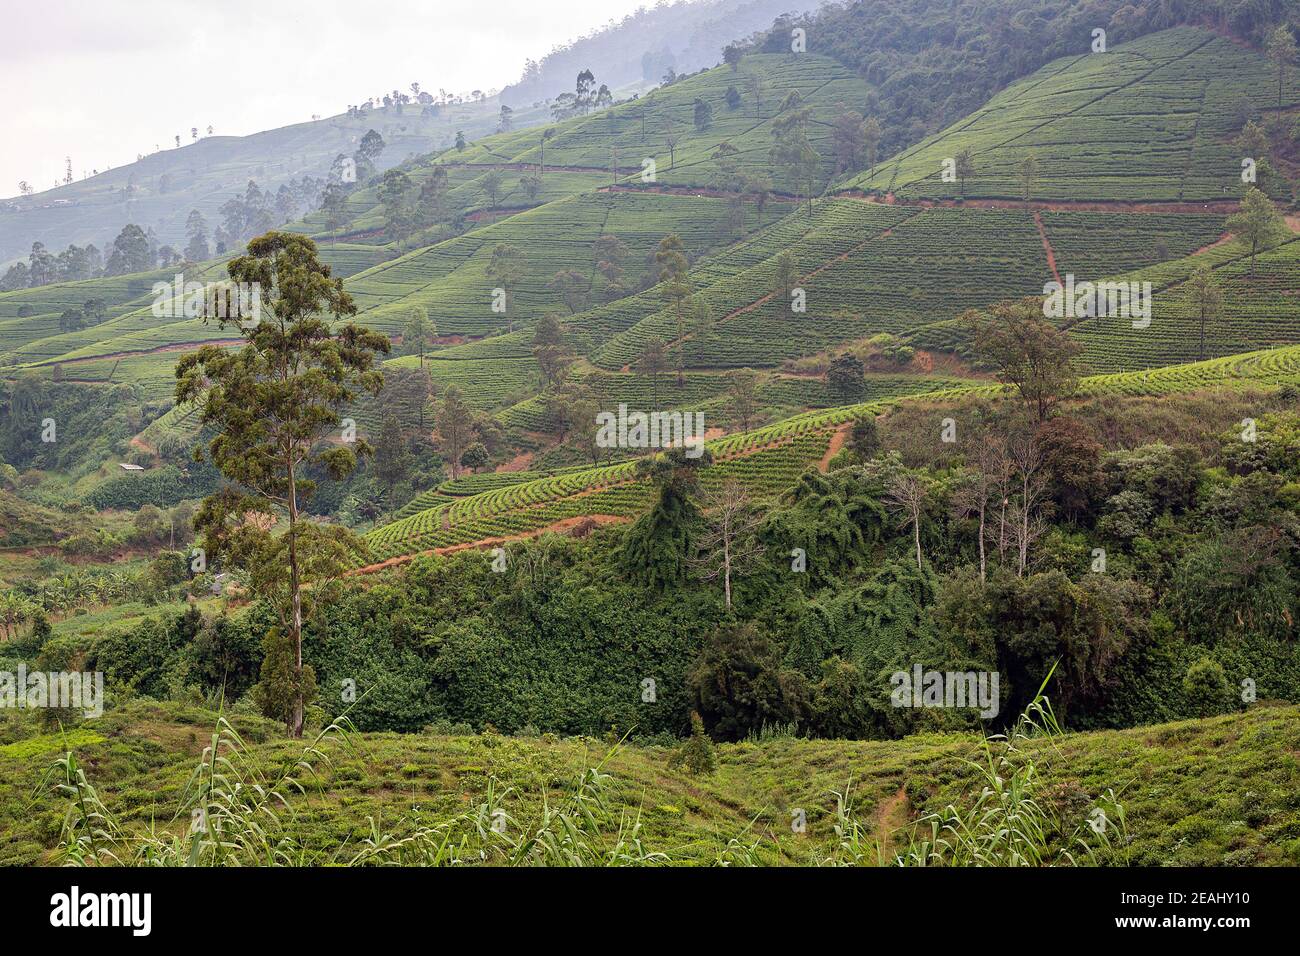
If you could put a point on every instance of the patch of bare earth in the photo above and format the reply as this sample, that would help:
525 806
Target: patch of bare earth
837 442
520 462
891 816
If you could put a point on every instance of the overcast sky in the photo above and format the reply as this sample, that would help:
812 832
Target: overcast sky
103 80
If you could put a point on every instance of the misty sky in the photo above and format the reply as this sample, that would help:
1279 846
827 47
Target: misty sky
103 80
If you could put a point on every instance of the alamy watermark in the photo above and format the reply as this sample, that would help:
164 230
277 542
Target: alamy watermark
229 301
1087 300
651 430
64 690
951 689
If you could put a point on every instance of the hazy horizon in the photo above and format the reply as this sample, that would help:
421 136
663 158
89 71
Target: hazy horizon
101 90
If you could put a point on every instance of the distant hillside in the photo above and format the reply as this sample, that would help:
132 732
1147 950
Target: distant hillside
644 45
159 190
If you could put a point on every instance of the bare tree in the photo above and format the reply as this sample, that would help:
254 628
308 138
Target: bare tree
1028 462
729 545
981 487
1026 527
672 136
906 493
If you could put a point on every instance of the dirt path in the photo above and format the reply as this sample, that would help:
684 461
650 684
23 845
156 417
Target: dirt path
837 442
139 443
520 462
891 816
1047 247
1225 238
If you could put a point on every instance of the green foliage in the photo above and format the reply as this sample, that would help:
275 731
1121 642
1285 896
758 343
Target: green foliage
739 684
657 547
697 754
1206 687
1140 91
1010 822
283 687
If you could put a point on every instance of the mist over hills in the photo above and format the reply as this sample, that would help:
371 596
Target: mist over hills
642 47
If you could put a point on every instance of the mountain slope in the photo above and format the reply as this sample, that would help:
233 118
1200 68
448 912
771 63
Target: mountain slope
764 461
159 190
642 46
1148 121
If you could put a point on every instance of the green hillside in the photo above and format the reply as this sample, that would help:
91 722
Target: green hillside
869 268
453 279
397 512
764 461
865 268
1206 793
612 145
166 185
1148 121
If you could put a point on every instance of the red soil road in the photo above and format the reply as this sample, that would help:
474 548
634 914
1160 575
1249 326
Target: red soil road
559 526
1226 237
1047 247
520 462
837 442
891 816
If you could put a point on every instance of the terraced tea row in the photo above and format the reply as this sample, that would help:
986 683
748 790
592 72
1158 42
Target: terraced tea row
1259 310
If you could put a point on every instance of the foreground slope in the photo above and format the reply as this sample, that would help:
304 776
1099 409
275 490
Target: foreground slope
1212 792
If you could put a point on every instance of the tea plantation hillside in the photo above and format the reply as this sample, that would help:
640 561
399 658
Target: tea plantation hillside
764 461
867 268
656 140
454 280
560 221
1153 120
691 473
1213 792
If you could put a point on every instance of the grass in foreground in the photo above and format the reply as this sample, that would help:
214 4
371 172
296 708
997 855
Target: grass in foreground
1220 791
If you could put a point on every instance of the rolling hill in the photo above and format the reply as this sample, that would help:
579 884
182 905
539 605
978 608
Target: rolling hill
1148 121
159 190
551 645
897 264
